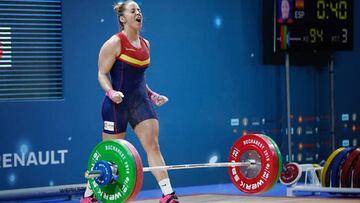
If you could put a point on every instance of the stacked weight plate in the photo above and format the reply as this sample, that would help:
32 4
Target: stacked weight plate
347 169
325 174
280 160
263 150
130 172
139 169
337 164
342 169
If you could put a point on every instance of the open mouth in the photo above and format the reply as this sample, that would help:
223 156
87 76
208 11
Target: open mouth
138 19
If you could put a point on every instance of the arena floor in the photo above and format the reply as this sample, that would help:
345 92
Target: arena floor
213 198
224 193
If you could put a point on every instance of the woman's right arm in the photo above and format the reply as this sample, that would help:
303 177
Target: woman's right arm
107 56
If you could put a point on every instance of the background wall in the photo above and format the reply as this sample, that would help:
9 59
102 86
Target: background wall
207 57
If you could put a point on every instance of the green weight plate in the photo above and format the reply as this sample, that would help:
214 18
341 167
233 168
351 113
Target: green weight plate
327 167
280 160
117 153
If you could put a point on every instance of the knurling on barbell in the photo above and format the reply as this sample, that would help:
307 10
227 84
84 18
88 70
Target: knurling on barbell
253 167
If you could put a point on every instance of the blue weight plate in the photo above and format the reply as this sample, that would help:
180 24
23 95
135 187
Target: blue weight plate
325 174
337 164
106 173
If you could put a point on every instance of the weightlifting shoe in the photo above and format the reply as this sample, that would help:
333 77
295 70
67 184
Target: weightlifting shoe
170 198
90 199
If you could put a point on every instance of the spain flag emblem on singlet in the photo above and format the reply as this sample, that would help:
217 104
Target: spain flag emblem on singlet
137 57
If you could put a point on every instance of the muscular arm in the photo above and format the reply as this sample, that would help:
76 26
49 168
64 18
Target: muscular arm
147 86
107 56
148 89
157 99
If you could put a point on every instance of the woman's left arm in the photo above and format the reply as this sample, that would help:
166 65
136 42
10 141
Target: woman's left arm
156 98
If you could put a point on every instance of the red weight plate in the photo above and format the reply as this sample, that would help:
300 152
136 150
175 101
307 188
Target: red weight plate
139 169
356 174
257 147
346 168
290 174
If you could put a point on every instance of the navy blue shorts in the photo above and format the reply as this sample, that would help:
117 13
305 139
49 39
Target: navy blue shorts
117 116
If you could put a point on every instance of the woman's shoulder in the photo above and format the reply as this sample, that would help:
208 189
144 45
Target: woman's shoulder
112 45
146 42
113 41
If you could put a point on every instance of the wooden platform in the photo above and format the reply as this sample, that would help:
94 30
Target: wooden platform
213 198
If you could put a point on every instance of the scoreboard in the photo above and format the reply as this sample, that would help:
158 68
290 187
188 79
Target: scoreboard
313 25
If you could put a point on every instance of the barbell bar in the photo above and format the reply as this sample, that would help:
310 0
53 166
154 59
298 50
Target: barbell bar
115 171
249 163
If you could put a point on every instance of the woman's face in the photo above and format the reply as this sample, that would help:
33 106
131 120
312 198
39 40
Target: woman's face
285 9
132 16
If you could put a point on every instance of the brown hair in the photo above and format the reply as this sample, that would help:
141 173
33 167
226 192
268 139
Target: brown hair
120 8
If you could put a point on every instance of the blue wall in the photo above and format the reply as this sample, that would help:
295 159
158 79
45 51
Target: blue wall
207 58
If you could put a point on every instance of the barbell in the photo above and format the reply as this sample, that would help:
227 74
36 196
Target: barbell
99 173
115 171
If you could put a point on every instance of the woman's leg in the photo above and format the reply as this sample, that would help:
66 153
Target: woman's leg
148 133
107 136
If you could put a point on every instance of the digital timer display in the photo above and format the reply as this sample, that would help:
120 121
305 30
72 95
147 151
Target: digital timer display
313 25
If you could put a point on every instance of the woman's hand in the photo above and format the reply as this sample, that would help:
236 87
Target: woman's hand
157 99
115 96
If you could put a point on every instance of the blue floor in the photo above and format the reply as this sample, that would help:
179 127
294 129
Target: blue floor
228 189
